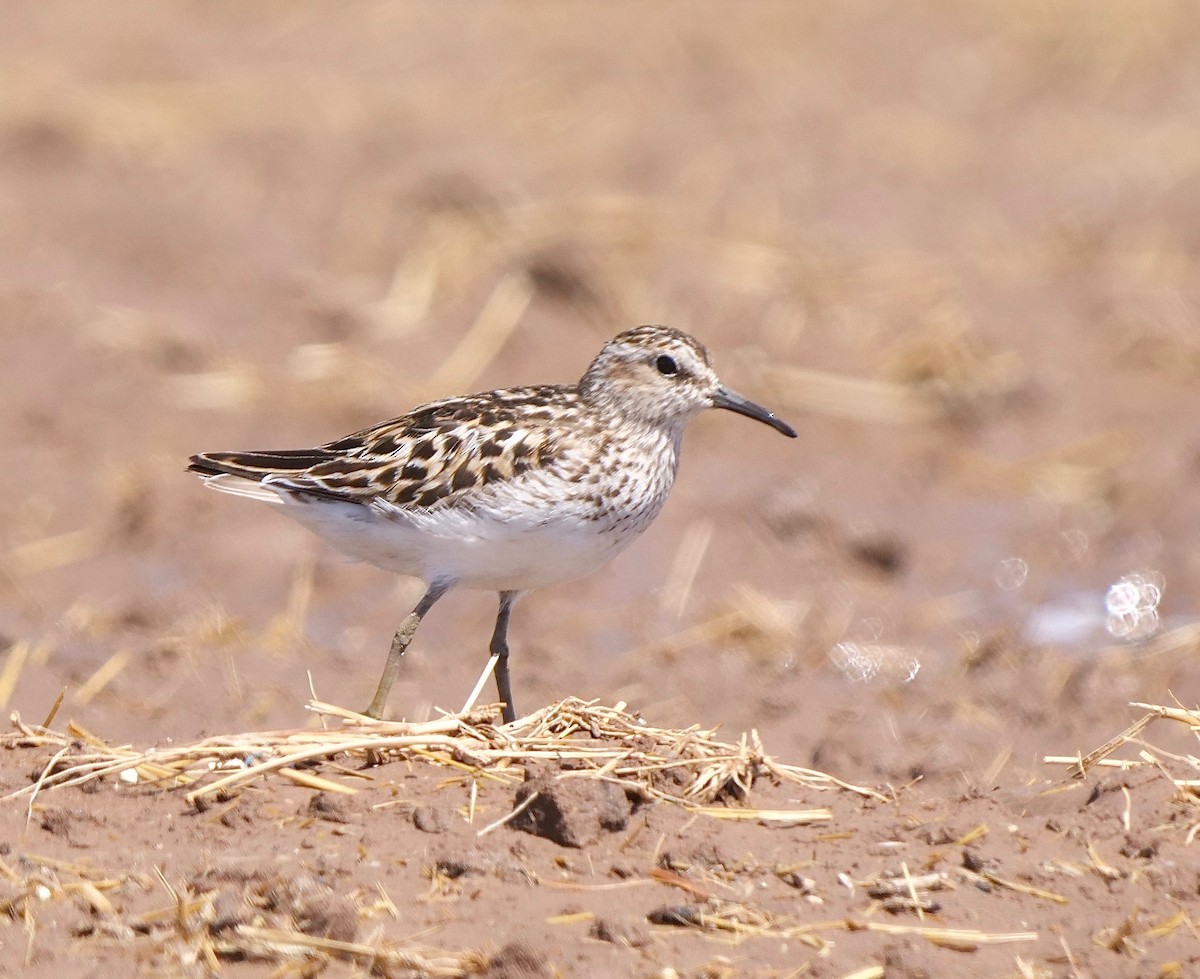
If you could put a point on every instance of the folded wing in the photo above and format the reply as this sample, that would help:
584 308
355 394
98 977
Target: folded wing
437 455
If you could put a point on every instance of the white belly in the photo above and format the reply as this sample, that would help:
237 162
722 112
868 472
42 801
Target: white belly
475 550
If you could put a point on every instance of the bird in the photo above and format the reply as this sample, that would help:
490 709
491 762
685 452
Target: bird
504 491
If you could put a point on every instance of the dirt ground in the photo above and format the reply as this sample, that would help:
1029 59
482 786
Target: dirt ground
957 246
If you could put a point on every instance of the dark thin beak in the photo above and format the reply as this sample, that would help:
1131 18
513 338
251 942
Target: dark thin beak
732 401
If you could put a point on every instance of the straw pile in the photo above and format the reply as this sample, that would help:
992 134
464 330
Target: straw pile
600 742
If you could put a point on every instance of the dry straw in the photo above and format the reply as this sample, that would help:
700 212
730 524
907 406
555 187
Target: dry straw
1182 771
600 742
1080 765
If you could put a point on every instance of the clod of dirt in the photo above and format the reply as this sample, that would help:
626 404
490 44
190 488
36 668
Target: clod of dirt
229 910
670 779
560 273
458 865
1141 849
938 835
880 552
232 873
972 860
708 854
626 933
431 819
62 822
238 815
676 915
56 821
792 514
517 961
572 812
331 808
834 754
300 903
900 960
315 908
332 916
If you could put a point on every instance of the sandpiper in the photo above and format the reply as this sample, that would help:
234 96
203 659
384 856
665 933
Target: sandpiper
504 491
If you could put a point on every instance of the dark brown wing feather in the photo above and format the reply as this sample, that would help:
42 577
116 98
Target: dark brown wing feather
433 455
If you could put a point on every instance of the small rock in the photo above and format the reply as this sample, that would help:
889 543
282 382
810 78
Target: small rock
331 808
431 819
805 885
517 961
627 934
328 915
459 865
676 915
972 860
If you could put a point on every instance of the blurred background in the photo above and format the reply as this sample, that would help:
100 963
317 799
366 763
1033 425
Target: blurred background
958 247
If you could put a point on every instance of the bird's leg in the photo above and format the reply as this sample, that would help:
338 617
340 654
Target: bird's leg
499 649
400 641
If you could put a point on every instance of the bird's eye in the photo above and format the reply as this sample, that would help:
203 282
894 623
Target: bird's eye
666 365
